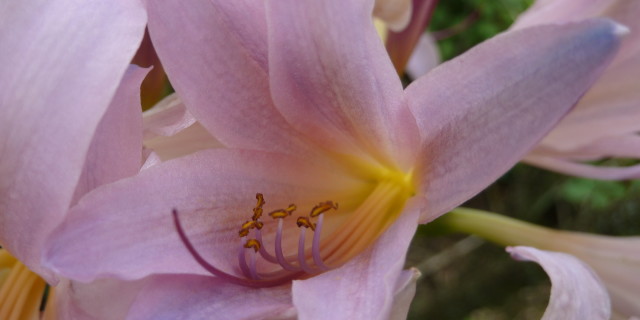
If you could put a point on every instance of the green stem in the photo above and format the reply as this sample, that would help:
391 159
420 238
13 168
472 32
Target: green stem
499 229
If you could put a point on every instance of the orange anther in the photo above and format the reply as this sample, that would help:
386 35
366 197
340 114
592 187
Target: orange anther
260 199
323 207
249 225
305 222
291 208
252 243
243 232
279 214
257 213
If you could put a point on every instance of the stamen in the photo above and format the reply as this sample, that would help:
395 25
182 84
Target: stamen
242 261
257 211
252 277
252 243
301 253
263 252
221 274
315 249
305 222
281 260
323 207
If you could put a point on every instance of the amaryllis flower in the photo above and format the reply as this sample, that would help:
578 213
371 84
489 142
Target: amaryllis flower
606 122
69 122
328 163
602 261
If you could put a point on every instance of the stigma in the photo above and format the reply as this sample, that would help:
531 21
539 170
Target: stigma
303 262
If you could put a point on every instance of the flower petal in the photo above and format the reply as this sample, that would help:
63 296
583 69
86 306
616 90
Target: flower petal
401 45
405 291
576 291
105 299
215 55
396 13
65 63
583 170
125 229
424 58
201 297
171 131
364 287
116 148
332 79
167 117
480 112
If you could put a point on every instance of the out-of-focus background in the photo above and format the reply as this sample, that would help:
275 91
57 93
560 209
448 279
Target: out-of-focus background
467 278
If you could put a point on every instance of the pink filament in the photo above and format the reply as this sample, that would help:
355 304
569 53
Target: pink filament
221 274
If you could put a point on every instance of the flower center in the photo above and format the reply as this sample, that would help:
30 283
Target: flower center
326 238
21 290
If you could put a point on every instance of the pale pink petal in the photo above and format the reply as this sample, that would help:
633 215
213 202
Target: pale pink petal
623 146
60 74
126 229
332 79
171 131
191 139
200 297
583 170
396 13
480 112
363 288
559 11
612 105
405 291
104 299
425 57
116 149
166 118
401 44
216 57
576 291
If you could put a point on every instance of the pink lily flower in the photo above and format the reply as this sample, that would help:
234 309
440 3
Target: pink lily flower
606 122
69 122
316 123
600 272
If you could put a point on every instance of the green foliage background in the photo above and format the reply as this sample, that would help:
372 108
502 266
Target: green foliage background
467 278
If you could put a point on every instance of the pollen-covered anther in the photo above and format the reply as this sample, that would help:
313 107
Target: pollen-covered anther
247 226
306 223
257 211
294 263
323 207
252 244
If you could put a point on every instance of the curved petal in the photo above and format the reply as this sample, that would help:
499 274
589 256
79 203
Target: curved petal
332 79
65 63
405 291
125 229
583 170
559 11
424 58
576 291
215 55
171 131
395 13
401 45
199 297
116 148
105 299
363 288
190 140
480 112
167 117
